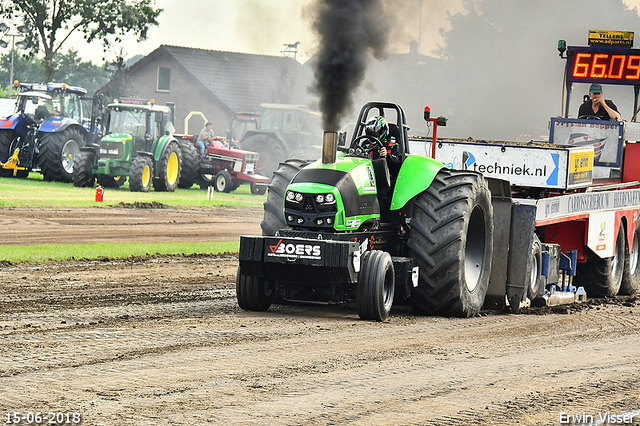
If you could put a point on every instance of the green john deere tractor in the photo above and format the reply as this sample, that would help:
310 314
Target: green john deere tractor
138 143
345 228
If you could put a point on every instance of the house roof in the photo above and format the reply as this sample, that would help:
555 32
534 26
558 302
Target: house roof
241 81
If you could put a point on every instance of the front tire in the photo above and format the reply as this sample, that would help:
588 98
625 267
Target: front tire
273 207
9 141
376 286
253 293
223 182
452 242
111 181
535 268
169 168
141 174
57 154
258 189
603 277
81 166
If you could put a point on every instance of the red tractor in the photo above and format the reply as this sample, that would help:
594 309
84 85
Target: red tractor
224 167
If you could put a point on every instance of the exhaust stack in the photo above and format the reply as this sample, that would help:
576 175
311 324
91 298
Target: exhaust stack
329 147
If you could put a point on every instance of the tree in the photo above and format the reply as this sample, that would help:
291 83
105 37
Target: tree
73 71
51 22
504 72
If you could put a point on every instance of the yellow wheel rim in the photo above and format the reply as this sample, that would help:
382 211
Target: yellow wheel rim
172 168
146 176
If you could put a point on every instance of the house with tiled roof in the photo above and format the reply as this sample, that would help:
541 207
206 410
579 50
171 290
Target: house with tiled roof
216 83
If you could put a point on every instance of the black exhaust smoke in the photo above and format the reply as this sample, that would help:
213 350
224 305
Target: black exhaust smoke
349 30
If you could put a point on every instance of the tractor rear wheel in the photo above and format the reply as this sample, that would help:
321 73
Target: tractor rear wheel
253 293
452 242
141 174
376 286
270 150
81 166
111 181
9 141
169 168
57 154
190 164
603 277
273 207
631 275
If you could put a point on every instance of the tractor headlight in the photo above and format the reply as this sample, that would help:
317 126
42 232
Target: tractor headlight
294 196
319 198
298 197
290 196
330 198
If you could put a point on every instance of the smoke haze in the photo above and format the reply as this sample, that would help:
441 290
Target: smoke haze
349 31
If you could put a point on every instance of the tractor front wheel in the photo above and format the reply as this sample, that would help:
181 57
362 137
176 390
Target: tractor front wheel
253 292
9 141
223 182
81 165
57 154
376 286
141 174
111 181
169 168
452 242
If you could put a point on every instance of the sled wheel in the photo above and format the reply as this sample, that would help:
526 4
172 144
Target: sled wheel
603 277
631 275
535 268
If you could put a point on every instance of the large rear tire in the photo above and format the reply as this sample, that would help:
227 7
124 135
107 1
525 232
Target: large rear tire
376 286
9 141
141 174
631 275
169 168
270 150
273 207
190 164
603 277
57 154
253 293
81 165
452 242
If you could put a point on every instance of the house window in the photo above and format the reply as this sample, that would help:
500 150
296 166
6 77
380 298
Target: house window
164 79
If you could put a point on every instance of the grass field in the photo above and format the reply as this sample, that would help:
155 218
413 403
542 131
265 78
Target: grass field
34 192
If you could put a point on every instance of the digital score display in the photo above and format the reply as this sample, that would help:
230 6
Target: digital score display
603 65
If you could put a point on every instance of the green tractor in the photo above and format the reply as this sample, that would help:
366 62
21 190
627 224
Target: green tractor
345 229
138 143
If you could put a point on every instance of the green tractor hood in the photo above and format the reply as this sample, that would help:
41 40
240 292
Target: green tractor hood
343 196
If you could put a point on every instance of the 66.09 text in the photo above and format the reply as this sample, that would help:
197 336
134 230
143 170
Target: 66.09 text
38 418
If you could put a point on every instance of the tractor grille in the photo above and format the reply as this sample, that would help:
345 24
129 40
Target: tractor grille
310 214
251 163
111 149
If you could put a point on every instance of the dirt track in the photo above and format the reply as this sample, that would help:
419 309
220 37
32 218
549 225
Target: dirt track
161 341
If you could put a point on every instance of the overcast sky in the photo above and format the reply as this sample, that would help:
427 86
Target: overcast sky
257 26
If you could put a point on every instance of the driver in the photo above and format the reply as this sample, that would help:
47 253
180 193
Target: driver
597 106
379 128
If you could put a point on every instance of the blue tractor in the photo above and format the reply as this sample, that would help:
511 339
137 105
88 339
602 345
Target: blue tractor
50 124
